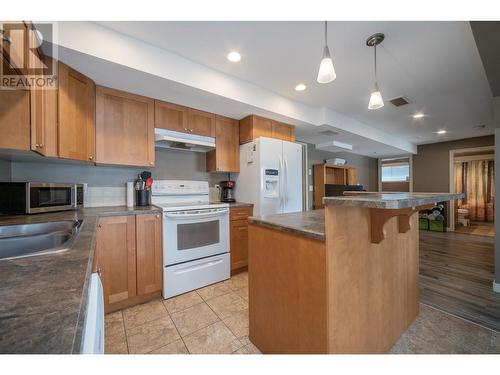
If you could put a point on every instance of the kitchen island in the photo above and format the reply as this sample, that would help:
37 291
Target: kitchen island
339 280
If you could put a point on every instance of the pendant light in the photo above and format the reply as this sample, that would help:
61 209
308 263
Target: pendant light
326 71
376 100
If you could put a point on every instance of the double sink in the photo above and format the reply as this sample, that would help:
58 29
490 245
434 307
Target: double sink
25 240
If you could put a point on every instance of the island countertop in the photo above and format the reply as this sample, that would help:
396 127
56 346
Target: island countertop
44 298
309 224
389 200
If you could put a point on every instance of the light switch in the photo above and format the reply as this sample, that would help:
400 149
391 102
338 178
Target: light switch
310 187
310 172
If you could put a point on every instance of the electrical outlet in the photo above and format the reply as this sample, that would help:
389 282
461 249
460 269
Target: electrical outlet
310 188
310 172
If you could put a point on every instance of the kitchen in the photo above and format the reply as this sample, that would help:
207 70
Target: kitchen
145 215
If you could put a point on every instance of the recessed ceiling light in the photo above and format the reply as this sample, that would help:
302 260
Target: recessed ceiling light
300 87
233 56
441 132
418 115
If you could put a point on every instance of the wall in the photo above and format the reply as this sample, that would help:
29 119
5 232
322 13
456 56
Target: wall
367 167
431 164
170 164
107 183
5 170
497 210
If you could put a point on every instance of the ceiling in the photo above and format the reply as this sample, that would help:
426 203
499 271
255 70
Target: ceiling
436 65
486 35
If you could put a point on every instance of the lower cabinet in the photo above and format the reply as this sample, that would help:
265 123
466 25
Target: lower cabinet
239 238
129 257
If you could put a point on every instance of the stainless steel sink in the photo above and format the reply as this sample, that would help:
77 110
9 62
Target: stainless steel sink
24 240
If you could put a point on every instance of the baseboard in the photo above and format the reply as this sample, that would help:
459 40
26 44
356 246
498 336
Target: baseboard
496 287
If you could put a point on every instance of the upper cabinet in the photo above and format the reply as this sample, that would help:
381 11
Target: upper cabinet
171 116
252 127
182 119
226 156
124 128
201 123
15 119
76 113
283 131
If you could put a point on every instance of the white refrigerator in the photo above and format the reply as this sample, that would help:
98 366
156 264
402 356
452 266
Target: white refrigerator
270 176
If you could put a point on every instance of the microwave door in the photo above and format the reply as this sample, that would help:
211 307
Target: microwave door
47 197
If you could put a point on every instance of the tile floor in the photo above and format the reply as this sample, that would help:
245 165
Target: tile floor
210 320
214 320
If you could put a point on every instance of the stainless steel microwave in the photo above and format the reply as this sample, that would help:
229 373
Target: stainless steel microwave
38 197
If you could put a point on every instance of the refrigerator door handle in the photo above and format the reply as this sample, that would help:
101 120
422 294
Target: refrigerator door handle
285 177
280 182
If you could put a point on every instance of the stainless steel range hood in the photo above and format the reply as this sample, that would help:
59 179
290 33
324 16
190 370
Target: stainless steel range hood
183 141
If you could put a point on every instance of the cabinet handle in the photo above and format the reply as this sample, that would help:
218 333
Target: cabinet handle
150 163
190 130
99 271
39 145
186 129
99 226
157 216
91 157
242 228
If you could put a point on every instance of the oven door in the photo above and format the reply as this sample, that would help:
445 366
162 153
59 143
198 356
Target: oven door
48 197
195 234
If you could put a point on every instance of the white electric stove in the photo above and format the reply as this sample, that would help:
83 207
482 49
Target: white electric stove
195 236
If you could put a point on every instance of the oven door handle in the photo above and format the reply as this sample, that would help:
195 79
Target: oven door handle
200 215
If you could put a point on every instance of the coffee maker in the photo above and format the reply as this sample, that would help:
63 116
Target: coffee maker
227 192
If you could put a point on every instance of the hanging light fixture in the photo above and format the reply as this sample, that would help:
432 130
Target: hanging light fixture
376 100
326 71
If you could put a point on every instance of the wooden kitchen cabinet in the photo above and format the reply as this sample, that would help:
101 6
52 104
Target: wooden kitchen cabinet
15 119
129 256
239 237
43 104
226 156
201 123
149 253
351 176
76 114
124 128
252 127
283 131
116 258
183 119
171 116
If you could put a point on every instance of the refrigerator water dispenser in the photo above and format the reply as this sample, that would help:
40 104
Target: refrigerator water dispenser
271 183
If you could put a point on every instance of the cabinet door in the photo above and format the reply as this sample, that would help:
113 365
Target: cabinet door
124 128
352 176
226 156
116 257
239 244
76 109
149 254
171 116
262 127
284 132
201 123
15 119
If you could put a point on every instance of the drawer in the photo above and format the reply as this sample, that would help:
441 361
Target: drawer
240 213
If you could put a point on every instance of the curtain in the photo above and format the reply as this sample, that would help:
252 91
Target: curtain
476 179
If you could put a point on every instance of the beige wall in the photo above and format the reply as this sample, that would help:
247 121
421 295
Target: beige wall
431 164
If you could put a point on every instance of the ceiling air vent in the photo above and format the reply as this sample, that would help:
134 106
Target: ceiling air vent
399 101
329 133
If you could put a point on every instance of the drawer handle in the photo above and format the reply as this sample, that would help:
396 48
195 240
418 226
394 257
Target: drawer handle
242 228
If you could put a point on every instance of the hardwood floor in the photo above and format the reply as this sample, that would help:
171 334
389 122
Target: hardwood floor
456 275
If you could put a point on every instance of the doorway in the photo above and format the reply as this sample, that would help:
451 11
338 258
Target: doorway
472 173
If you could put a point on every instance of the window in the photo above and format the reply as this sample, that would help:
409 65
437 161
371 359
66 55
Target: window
395 171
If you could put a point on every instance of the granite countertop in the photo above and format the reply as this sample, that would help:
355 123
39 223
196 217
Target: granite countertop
309 224
390 200
44 298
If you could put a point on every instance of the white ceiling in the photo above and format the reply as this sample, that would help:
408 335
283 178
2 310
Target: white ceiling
434 64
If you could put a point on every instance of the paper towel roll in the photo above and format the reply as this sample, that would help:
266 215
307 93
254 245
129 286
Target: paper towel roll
130 194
